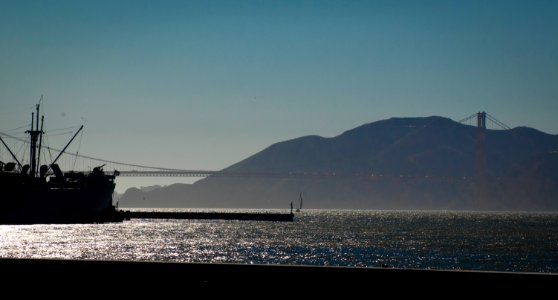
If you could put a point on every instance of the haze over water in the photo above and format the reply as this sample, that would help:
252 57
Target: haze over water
403 239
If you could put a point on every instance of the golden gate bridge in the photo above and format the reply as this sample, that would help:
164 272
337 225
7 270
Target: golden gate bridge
84 163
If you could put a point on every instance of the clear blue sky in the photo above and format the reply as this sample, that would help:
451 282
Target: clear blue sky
204 84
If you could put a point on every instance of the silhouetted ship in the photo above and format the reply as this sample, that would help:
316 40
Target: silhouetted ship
43 194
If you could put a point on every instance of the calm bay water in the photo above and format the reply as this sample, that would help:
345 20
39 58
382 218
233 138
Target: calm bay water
404 239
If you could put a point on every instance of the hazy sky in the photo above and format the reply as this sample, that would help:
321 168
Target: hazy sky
204 84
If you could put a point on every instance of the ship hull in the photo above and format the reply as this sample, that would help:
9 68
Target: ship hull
27 200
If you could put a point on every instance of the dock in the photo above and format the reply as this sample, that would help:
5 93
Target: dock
243 216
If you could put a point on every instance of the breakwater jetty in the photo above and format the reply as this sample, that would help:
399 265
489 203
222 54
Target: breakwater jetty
243 216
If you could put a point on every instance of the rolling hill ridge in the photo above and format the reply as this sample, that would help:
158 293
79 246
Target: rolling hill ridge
418 163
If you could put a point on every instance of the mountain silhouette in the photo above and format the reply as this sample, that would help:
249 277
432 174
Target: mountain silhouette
398 163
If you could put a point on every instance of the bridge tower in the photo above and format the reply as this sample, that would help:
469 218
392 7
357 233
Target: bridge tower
481 156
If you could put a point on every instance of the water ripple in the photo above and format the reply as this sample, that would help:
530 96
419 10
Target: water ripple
412 239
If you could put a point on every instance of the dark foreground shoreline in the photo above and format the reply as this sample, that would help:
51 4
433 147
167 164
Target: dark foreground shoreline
91 273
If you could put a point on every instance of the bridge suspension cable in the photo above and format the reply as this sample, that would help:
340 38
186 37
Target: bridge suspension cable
100 160
137 170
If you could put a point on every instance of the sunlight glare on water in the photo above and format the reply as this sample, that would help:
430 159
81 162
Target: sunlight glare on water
426 240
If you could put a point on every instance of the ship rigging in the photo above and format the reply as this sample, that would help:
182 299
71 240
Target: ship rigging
38 193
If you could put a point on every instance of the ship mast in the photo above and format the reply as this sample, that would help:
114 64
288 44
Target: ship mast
40 143
34 134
